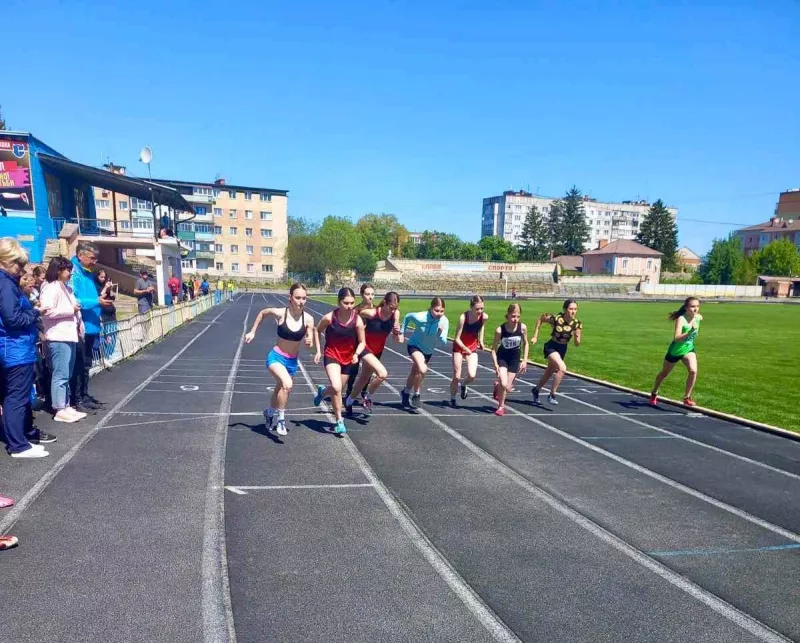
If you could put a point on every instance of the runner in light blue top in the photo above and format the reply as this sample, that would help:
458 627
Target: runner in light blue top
430 328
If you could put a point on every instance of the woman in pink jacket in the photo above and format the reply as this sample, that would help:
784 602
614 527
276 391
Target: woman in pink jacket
62 322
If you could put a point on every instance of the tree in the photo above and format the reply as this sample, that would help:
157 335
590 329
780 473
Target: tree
339 244
660 232
381 233
304 258
497 249
364 264
469 251
534 245
725 263
555 229
2 120
299 226
779 258
426 248
448 246
410 250
576 231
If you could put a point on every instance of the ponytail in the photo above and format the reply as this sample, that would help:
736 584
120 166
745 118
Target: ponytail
682 310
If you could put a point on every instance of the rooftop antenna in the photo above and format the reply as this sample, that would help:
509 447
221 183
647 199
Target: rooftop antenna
146 156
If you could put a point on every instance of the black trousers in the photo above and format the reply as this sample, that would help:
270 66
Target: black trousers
79 382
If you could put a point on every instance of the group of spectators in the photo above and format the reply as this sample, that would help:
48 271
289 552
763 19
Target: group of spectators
188 289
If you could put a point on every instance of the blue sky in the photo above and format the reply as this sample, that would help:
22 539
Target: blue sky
424 108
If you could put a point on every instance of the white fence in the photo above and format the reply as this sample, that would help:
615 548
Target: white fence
700 290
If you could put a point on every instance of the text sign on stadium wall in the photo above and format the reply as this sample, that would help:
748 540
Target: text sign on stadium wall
469 267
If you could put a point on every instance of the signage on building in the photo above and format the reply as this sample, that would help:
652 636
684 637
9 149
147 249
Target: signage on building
16 191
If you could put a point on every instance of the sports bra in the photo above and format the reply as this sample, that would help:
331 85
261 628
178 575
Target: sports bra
284 332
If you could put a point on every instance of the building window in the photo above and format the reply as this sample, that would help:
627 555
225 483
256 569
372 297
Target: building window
266 234
202 191
235 267
217 229
266 250
231 214
139 204
250 267
124 225
217 247
233 230
248 232
266 267
248 214
232 194
204 228
266 215
625 264
217 212
266 197
219 265
184 227
186 263
102 203
649 264
249 249
122 205
248 196
234 249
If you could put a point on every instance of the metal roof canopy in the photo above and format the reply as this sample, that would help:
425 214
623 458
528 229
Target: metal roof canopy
139 188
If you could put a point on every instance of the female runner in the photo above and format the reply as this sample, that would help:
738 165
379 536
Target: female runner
294 326
687 325
509 338
565 325
468 340
367 296
430 328
379 323
344 345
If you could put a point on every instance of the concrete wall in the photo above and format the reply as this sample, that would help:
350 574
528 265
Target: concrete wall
439 266
700 290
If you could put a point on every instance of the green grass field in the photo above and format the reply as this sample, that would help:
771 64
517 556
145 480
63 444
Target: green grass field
748 354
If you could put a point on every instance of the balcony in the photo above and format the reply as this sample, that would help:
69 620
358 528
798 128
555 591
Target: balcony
105 227
199 199
186 235
204 254
204 236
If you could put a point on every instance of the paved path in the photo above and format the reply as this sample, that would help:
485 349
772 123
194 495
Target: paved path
600 519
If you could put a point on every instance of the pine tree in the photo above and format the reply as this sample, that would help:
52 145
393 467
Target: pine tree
576 231
660 232
555 229
534 236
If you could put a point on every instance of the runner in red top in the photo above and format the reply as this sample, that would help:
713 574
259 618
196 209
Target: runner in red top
367 295
468 341
343 329
379 323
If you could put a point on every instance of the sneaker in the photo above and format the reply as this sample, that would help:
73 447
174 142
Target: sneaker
94 400
405 400
366 401
453 404
552 399
280 427
42 438
463 391
63 415
500 411
415 400
319 396
80 408
33 452
87 403
689 401
75 413
7 542
268 419
535 393
5 503
653 399
340 428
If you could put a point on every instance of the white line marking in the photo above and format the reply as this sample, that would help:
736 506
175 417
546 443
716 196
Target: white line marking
242 489
482 612
218 626
22 504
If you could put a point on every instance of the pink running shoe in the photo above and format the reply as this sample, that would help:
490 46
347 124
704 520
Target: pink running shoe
6 502
500 411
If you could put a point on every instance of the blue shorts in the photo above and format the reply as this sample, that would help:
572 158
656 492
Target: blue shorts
277 356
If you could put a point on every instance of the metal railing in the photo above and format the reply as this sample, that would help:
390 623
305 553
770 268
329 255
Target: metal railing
122 339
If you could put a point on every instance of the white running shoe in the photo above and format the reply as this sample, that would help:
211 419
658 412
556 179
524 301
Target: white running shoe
33 452
280 427
64 415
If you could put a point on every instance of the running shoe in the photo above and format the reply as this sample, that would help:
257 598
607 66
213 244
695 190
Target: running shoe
415 400
340 428
653 399
535 393
40 437
453 403
31 453
7 542
6 502
689 401
268 419
552 399
280 427
500 411
405 400
320 395
463 391
366 401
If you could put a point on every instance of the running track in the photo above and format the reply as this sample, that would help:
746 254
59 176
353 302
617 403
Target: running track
174 516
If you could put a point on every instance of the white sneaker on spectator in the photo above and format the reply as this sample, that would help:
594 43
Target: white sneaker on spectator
33 452
78 415
64 415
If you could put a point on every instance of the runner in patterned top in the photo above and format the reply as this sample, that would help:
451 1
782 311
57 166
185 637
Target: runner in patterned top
565 327
468 341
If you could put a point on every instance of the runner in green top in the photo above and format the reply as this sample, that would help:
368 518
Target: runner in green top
687 324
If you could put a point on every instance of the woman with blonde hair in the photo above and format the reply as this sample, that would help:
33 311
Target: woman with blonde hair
18 336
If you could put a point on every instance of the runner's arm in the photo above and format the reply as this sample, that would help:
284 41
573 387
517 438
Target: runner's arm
544 318
362 342
259 318
578 334
444 327
678 335
495 344
525 350
481 343
397 333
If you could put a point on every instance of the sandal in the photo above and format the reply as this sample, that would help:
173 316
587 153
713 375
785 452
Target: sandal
7 542
6 502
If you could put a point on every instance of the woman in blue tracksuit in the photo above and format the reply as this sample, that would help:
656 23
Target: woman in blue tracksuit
430 328
18 335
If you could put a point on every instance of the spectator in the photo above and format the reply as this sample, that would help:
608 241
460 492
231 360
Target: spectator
185 291
174 285
190 286
196 284
38 281
18 335
62 326
220 284
205 286
92 305
108 315
144 290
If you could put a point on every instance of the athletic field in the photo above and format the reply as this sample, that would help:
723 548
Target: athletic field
748 354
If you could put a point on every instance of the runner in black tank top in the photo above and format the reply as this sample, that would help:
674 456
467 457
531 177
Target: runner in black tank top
509 340
466 344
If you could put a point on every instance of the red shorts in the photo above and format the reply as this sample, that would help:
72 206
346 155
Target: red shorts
472 346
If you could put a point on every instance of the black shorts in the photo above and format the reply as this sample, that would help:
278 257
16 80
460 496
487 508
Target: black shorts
673 359
555 347
347 369
415 349
509 362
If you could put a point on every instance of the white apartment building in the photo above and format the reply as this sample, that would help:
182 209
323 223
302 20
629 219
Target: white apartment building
504 216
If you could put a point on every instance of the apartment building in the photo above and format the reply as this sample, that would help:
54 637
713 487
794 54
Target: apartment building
237 231
504 216
785 224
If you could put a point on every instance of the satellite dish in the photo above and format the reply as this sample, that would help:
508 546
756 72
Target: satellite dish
146 155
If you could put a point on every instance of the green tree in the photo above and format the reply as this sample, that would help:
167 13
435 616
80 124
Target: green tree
469 251
426 248
555 229
448 246
534 246
304 258
410 250
576 230
496 249
381 233
779 258
725 263
660 232
299 226
339 245
364 264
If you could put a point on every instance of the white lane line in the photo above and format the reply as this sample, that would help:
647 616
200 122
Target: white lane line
243 489
474 603
627 417
23 503
218 626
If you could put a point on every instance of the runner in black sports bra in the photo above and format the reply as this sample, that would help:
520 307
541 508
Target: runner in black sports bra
284 332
